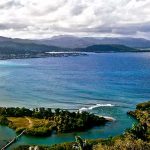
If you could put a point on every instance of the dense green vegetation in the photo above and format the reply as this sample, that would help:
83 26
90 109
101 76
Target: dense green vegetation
21 112
4 120
67 122
142 129
42 121
135 138
143 106
39 131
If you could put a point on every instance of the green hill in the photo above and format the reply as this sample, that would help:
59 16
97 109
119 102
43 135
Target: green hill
108 48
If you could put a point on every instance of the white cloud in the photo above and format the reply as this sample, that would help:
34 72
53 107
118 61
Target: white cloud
45 18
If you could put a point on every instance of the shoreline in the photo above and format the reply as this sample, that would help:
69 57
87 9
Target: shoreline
60 54
39 55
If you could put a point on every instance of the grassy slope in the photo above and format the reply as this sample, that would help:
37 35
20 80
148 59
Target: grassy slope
33 126
23 122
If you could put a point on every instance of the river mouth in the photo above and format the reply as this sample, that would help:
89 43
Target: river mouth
103 131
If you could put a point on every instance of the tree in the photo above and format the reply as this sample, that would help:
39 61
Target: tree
4 120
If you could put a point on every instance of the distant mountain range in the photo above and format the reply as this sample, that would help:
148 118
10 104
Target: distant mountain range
82 42
64 41
21 47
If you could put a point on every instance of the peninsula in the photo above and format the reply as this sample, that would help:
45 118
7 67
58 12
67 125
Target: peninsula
42 121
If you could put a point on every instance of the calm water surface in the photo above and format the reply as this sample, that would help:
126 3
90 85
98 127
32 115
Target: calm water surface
107 84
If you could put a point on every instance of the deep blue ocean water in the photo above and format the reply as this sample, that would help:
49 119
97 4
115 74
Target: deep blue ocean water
107 84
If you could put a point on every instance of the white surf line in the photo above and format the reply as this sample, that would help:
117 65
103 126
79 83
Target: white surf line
95 106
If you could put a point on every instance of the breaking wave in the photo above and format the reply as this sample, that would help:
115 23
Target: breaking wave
95 106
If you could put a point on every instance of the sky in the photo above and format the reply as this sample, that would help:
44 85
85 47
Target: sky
94 18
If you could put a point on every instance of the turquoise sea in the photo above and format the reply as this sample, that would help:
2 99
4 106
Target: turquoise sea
107 84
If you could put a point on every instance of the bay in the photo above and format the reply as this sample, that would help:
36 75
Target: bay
107 84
